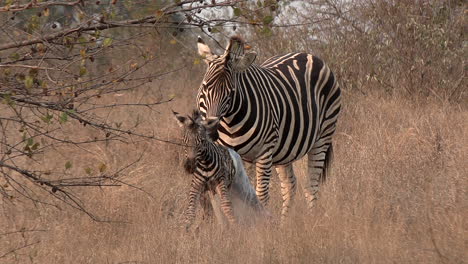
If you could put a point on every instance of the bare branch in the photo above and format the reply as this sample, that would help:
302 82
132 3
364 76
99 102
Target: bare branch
35 4
104 25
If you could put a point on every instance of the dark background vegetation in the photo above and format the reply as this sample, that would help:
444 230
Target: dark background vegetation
90 156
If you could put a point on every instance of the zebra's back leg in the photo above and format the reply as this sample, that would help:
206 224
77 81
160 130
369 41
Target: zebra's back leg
215 205
226 203
288 188
319 159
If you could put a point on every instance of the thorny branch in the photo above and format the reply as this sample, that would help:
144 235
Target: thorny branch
35 4
12 251
49 79
100 24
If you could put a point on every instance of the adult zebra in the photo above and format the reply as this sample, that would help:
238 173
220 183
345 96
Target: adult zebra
273 113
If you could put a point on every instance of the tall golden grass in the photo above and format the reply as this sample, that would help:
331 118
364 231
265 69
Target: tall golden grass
397 194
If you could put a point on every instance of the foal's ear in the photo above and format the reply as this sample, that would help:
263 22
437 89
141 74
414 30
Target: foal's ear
211 125
181 120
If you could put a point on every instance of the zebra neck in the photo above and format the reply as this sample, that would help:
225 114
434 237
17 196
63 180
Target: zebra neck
208 154
248 91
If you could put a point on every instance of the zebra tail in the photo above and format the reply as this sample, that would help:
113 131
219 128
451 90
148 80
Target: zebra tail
327 163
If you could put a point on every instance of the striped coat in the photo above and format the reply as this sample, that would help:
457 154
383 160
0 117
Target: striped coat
273 114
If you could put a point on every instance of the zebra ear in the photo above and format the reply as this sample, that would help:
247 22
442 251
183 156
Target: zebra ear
245 61
235 48
181 120
236 56
205 51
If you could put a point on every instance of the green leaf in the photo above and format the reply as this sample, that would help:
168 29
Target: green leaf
63 118
112 15
7 72
82 40
266 31
35 146
107 42
83 71
88 170
68 165
47 118
267 20
28 82
15 56
29 142
102 167
97 34
7 99
237 11
33 72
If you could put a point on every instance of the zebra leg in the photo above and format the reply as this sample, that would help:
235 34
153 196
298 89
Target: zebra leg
216 208
226 204
263 173
288 188
194 195
206 205
318 158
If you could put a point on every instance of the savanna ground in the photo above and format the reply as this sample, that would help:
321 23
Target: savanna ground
397 192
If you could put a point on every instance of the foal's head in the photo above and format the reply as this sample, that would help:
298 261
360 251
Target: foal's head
197 133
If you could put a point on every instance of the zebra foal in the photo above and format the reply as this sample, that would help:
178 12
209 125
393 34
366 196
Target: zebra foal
215 169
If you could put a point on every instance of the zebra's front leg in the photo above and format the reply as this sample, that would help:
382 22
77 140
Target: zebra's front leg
226 204
206 205
196 189
263 173
288 188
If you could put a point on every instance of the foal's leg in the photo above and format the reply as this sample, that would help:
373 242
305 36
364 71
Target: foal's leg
226 204
196 189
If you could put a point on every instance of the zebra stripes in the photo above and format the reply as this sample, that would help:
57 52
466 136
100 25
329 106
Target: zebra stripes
273 114
215 168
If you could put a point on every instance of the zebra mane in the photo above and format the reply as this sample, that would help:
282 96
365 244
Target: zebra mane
237 38
235 48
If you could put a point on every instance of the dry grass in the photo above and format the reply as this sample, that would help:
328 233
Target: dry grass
397 194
